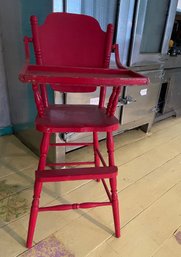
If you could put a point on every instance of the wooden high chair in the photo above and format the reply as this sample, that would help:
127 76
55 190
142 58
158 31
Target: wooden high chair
73 55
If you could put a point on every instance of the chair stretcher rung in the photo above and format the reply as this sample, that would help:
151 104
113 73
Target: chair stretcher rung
68 164
71 144
76 174
64 207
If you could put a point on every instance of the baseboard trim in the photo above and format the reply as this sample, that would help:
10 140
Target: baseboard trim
6 131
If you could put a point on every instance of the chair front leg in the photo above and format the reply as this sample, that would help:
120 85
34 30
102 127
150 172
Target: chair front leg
113 185
44 151
37 189
33 213
115 206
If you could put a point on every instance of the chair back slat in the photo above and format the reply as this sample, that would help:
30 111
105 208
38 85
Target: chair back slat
71 40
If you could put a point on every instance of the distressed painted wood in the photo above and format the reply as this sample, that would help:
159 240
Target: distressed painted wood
72 55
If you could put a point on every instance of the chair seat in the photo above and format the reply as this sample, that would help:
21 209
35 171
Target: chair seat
76 174
76 118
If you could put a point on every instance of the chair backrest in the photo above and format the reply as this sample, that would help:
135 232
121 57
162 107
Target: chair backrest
71 40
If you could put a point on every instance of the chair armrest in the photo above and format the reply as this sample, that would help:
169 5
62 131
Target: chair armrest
22 72
115 49
27 40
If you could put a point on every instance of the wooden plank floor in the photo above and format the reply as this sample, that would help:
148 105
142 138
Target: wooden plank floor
149 187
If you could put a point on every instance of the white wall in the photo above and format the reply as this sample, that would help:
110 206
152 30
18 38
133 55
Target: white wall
179 5
4 106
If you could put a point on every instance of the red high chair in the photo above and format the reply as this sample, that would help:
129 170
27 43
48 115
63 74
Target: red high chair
73 55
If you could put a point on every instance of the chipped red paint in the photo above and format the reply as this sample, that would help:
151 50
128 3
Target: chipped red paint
178 237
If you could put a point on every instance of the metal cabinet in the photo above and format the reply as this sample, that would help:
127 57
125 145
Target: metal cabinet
172 102
139 104
144 49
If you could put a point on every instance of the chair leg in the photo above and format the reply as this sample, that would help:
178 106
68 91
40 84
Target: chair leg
34 213
110 148
44 151
113 185
37 189
96 146
115 206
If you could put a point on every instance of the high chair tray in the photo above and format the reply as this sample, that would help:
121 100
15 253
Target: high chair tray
81 76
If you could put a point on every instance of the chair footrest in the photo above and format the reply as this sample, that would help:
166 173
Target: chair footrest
76 174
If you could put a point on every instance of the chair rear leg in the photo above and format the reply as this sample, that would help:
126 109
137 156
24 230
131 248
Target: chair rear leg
113 185
110 149
37 189
96 146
